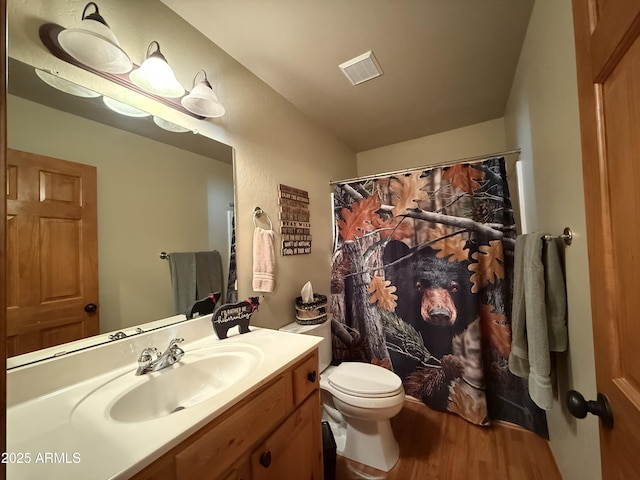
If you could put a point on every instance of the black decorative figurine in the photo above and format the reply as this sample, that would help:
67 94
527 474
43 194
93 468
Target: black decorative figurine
204 306
228 316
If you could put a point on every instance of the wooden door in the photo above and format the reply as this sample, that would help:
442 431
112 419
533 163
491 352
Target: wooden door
608 58
52 252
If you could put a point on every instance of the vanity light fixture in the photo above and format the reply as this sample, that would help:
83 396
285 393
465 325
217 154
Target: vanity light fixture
92 43
65 85
123 108
202 100
156 76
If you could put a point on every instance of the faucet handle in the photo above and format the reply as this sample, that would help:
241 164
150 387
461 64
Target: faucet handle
147 355
175 349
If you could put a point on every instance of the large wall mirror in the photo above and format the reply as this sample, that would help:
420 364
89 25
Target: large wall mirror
157 191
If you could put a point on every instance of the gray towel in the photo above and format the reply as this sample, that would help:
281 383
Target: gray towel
519 358
538 320
208 273
555 297
183 280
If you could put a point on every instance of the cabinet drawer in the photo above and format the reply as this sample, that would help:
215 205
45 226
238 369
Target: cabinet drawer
217 449
306 378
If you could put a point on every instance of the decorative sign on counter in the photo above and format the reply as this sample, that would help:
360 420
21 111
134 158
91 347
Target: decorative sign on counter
295 228
228 316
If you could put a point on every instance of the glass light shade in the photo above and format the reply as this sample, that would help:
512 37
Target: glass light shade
169 126
92 43
156 76
65 85
203 101
123 108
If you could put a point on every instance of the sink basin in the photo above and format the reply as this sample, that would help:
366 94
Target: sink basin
199 376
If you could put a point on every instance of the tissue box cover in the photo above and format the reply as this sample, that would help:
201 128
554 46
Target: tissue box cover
311 313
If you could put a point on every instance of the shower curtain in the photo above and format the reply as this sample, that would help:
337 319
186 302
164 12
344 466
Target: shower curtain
422 282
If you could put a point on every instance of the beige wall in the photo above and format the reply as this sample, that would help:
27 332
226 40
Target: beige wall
274 143
478 139
542 119
137 219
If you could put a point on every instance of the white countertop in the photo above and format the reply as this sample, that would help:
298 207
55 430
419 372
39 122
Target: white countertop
53 444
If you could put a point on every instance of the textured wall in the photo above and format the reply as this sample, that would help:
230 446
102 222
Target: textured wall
478 139
542 119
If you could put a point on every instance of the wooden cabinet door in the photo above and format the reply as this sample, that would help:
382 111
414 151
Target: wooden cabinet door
52 252
241 471
294 450
608 60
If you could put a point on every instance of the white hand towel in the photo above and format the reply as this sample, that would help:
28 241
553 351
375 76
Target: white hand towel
264 260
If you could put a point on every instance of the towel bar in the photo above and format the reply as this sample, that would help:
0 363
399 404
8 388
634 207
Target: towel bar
567 236
257 213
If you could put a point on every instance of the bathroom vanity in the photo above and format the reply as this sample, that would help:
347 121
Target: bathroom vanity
272 434
247 407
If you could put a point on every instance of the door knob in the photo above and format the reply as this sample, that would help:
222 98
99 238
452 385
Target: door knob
90 307
579 407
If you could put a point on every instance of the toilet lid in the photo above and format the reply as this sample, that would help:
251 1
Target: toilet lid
364 380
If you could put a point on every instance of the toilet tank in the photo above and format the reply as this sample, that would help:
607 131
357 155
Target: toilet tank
322 330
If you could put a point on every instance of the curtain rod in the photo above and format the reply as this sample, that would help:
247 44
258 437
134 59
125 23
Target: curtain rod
475 159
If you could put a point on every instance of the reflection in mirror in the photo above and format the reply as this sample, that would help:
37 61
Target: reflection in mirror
157 189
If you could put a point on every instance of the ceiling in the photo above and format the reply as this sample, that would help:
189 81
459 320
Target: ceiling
446 63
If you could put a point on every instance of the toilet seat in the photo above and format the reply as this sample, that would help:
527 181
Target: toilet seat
363 385
365 380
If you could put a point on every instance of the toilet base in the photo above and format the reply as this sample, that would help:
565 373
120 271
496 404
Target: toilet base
371 443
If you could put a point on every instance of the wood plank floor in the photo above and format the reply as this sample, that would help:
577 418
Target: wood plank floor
442 446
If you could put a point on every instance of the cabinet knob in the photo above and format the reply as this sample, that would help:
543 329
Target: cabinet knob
265 459
90 307
311 376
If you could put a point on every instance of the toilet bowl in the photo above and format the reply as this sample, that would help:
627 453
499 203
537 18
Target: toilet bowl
358 401
367 397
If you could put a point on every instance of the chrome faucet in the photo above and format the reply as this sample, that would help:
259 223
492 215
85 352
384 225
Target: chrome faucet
151 360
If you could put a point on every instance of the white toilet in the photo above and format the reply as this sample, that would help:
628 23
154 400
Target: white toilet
358 400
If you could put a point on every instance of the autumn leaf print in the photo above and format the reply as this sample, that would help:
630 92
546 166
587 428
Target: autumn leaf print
489 266
496 329
397 228
406 189
466 406
360 219
464 177
452 248
382 362
381 291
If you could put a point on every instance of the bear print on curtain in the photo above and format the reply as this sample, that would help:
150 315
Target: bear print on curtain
422 284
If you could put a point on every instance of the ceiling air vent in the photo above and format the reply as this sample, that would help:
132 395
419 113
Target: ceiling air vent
362 68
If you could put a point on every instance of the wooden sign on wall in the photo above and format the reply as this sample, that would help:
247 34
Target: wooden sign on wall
295 228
